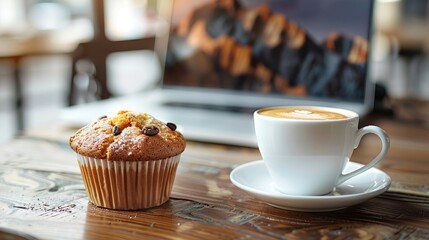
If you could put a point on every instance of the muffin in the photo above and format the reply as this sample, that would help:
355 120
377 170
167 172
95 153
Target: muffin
128 161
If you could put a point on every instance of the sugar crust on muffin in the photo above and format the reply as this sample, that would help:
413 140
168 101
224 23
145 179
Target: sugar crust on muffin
123 137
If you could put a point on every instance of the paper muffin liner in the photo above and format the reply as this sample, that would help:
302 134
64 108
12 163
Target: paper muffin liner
128 185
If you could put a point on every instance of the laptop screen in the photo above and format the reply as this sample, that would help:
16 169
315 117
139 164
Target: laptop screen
295 48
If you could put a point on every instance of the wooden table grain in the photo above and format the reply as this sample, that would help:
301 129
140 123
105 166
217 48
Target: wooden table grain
42 193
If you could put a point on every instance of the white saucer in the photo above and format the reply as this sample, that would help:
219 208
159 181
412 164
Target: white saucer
253 178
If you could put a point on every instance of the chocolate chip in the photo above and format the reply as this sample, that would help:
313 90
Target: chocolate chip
172 126
102 117
150 130
116 131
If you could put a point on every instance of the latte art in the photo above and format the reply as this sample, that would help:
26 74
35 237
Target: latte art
302 113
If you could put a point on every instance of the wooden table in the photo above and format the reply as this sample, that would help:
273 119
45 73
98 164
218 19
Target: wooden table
42 194
17 49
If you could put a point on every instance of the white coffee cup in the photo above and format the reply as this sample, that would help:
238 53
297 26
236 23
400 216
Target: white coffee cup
305 155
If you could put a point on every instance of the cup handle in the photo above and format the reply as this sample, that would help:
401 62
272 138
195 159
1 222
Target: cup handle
385 143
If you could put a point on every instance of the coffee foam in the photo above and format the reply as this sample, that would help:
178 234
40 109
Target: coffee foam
302 114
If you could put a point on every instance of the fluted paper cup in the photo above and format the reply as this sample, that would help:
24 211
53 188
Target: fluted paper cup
128 185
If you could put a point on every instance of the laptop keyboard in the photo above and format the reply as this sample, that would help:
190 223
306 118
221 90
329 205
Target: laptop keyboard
212 107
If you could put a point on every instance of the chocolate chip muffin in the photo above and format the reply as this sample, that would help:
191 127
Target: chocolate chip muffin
128 161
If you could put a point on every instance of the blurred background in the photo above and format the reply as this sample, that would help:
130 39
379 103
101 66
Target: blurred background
41 52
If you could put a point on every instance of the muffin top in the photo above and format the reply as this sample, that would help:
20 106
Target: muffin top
128 136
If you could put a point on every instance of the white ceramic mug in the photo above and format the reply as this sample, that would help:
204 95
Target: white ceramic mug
307 157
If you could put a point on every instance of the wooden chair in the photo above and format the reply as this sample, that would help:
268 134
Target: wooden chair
96 51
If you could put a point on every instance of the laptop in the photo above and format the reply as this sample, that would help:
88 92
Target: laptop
224 59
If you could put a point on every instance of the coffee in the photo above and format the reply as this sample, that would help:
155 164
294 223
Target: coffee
305 152
302 113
